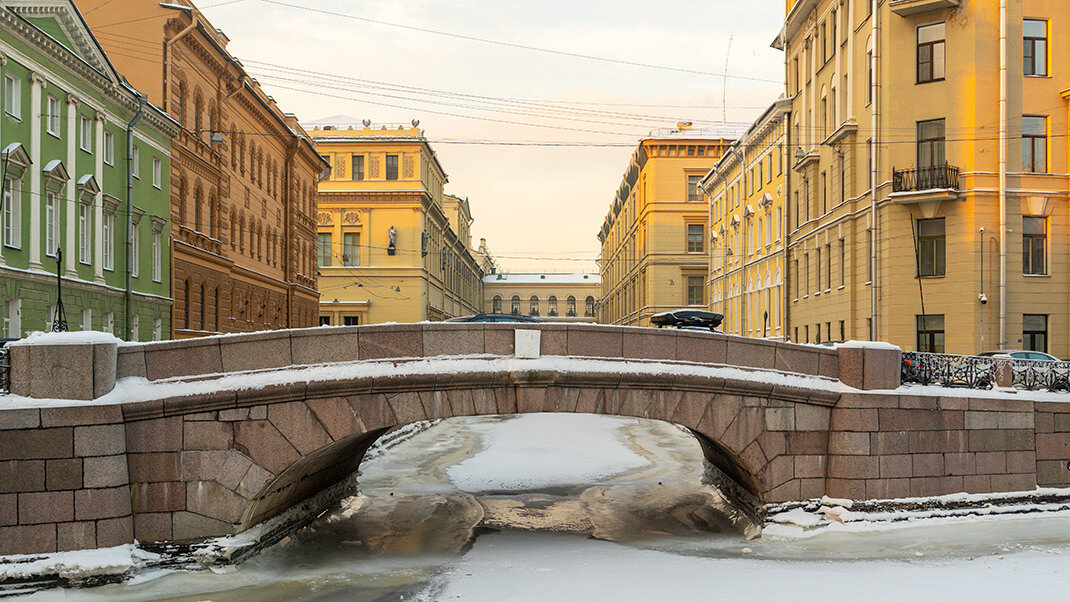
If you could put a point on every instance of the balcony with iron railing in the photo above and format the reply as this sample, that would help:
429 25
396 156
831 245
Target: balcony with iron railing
925 184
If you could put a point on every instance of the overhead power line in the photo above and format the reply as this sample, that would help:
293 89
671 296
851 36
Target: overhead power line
521 46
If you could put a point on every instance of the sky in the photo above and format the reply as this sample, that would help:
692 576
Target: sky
538 204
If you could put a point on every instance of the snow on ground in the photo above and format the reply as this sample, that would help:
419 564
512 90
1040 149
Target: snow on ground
536 451
80 563
542 566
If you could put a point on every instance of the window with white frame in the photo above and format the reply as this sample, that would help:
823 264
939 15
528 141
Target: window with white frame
51 224
157 329
84 237
135 160
109 147
157 172
13 319
13 96
108 239
13 212
157 256
52 119
86 134
135 328
109 322
135 250
87 318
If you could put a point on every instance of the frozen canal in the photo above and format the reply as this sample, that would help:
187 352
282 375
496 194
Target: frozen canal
659 532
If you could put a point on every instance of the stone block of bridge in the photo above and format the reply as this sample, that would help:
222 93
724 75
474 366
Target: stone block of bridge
62 370
324 345
869 366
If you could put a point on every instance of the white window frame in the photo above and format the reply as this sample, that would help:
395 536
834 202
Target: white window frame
84 234
53 119
157 256
13 318
13 96
13 213
135 326
87 318
86 138
136 162
51 224
135 250
157 329
109 322
157 173
109 148
108 240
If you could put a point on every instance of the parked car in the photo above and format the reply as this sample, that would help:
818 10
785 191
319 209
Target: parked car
1021 355
496 318
688 318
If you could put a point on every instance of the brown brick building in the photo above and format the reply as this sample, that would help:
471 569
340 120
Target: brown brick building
243 175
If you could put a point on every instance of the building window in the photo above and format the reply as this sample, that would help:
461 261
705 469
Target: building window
135 328
358 167
135 160
1034 245
570 306
931 333
1035 332
135 250
157 329
325 320
157 173
694 238
157 257
87 318
350 320
931 53
109 322
1034 144
12 212
109 147
391 167
13 97
515 308
323 247
1035 46
588 306
931 247
930 144
496 304
695 292
84 240
351 248
51 224
108 240
551 306
533 306
694 193
86 137
53 119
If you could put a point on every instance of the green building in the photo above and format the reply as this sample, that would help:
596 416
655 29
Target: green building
85 165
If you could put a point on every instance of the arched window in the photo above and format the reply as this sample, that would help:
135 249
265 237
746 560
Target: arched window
534 305
551 306
197 106
570 306
588 307
515 310
215 326
496 304
182 202
185 301
180 104
233 228
212 201
204 305
233 147
197 209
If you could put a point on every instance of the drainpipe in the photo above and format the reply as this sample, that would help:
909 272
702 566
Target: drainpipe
785 288
130 207
1003 173
167 45
874 147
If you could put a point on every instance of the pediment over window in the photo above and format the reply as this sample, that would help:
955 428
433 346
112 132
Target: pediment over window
87 188
111 204
16 160
56 175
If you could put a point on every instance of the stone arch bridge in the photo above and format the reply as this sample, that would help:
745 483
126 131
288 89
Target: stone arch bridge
184 440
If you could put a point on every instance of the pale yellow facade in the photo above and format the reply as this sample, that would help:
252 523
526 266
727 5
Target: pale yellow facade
747 190
647 263
392 247
898 129
549 297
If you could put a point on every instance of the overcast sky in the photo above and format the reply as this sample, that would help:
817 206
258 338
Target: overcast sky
537 206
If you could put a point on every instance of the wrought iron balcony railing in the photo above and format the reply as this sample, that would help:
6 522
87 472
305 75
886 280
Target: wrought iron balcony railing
975 372
925 178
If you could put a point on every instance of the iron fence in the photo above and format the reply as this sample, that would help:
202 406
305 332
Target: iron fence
946 370
976 372
5 371
925 178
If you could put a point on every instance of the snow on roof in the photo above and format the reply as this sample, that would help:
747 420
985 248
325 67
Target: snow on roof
578 278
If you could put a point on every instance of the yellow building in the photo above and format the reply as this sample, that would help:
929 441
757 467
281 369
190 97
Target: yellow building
549 297
746 190
392 247
903 133
654 255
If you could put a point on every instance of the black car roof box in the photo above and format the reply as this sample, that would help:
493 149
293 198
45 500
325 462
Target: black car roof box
697 318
